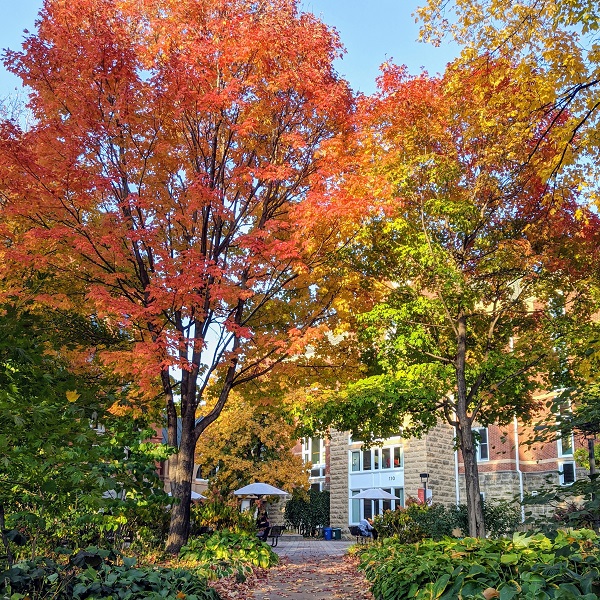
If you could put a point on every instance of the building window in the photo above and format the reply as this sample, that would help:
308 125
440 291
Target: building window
366 462
398 457
393 504
365 509
313 451
390 457
482 448
316 453
386 462
567 473
565 445
355 508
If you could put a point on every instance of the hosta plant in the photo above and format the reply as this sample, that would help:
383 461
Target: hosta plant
226 553
532 567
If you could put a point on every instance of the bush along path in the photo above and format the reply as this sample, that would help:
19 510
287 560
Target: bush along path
316 578
524 567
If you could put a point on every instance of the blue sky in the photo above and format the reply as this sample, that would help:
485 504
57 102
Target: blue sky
373 31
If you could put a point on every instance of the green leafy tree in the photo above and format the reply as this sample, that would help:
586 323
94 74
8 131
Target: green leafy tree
69 469
481 258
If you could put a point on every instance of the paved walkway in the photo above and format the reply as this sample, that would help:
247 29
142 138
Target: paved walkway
300 550
312 569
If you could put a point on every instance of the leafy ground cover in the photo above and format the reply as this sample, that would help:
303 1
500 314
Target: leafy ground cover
226 554
92 574
525 566
96 573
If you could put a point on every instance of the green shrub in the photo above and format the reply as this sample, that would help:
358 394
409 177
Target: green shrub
400 525
532 567
419 521
90 575
576 505
219 514
226 553
307 510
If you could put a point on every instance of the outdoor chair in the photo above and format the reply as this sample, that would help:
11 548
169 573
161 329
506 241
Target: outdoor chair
358 534
275 533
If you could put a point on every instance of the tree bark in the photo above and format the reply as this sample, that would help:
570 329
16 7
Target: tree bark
6 543
465 436
181 486
474 504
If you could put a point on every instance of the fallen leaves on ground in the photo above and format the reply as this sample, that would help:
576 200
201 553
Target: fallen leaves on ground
229 588
329 577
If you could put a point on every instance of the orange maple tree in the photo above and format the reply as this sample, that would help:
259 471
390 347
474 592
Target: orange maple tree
173 142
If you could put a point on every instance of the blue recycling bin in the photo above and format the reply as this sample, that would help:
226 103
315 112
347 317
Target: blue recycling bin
327 533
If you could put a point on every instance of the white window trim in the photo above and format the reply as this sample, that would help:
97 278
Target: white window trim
307 452
559 443
361 510
562 475
478 445
372 452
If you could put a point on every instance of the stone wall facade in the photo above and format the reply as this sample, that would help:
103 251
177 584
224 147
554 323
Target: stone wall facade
441 464
432 454
338 478
435 455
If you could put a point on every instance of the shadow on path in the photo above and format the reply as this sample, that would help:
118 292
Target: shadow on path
313 572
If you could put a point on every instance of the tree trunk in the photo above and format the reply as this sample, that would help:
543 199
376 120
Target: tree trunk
9 555
465 435
474 504
181 487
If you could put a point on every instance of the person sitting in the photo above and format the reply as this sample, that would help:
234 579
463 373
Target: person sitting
263 526
367 529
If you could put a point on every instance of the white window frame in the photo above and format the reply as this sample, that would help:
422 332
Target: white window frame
373 452
307 451
478 444
359 454
562 475
375 505
570 449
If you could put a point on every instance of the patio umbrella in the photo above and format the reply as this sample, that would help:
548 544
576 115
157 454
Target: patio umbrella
374 494
195 496
260 489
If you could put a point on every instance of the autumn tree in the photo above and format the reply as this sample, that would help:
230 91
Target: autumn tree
252 441
555 39
173 143
481 256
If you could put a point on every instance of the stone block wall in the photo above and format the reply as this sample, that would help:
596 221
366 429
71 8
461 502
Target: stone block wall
440 464
415 462
338 471
433 454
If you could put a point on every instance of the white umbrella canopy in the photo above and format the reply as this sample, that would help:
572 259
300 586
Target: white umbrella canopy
260 489
374 494
195 496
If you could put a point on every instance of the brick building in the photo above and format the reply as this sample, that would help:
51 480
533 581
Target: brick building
508 468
